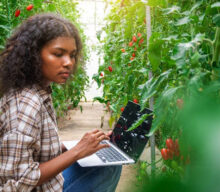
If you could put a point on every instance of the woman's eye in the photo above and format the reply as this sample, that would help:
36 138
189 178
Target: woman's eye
58 54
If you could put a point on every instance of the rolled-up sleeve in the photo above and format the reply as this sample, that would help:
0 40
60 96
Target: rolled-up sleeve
17 148
17 162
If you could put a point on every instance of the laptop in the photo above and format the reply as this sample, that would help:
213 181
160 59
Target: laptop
125 146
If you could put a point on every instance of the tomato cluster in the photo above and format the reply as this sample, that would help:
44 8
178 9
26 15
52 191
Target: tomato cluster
171 150
172 156
134 40
28 8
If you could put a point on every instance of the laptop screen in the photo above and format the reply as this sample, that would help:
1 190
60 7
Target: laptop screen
131 142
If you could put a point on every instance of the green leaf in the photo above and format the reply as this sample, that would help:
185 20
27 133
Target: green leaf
37 3
139 122
217 4
52 7
99 99
113 107
171 37
196 5
155 3
111 121
183 21
216 20
5 28
97 78
161 108
195 59
155 52
180 50
150 88
172 9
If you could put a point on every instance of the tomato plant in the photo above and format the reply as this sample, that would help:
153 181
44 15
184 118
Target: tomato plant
183 56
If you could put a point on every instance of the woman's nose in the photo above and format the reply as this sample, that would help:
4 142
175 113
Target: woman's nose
68 61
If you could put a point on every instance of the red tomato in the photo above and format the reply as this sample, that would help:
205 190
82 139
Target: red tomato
110 68
170 153
130 44
133 54
164 153
122 109
139 34
29 7
101 74
134 39
170 144
141 41
135 100
123 50
132 58
17 13
135 49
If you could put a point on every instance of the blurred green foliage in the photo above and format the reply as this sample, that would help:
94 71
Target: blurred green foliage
199 140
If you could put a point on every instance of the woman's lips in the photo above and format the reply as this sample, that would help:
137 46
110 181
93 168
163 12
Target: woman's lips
65 75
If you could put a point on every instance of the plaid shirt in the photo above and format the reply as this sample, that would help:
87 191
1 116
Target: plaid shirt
28 137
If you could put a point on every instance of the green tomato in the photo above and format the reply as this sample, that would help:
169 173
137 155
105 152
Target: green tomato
174 165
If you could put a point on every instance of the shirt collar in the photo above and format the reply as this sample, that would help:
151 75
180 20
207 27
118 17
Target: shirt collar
44 92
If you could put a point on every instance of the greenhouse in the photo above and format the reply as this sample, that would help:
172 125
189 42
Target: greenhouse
81 78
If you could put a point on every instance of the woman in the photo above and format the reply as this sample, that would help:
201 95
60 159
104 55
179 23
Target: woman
44 49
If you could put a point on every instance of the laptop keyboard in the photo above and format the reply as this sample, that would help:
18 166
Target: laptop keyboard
109 154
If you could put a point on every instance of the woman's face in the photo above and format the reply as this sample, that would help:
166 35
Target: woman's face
58 57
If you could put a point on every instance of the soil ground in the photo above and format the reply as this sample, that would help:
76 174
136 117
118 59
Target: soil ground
76 123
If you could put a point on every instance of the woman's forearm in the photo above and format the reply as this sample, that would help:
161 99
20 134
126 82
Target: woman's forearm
53 167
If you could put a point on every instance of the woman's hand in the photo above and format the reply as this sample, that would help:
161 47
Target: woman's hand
90 143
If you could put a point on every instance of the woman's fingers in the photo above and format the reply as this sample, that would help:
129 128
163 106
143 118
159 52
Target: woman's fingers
95 131
98 135
90 143
103 137
101 146
109 133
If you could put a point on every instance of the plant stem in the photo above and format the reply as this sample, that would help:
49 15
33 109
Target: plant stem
216 46
210 42
8 12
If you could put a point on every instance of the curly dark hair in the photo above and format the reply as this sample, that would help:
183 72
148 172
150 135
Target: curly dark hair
20 61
